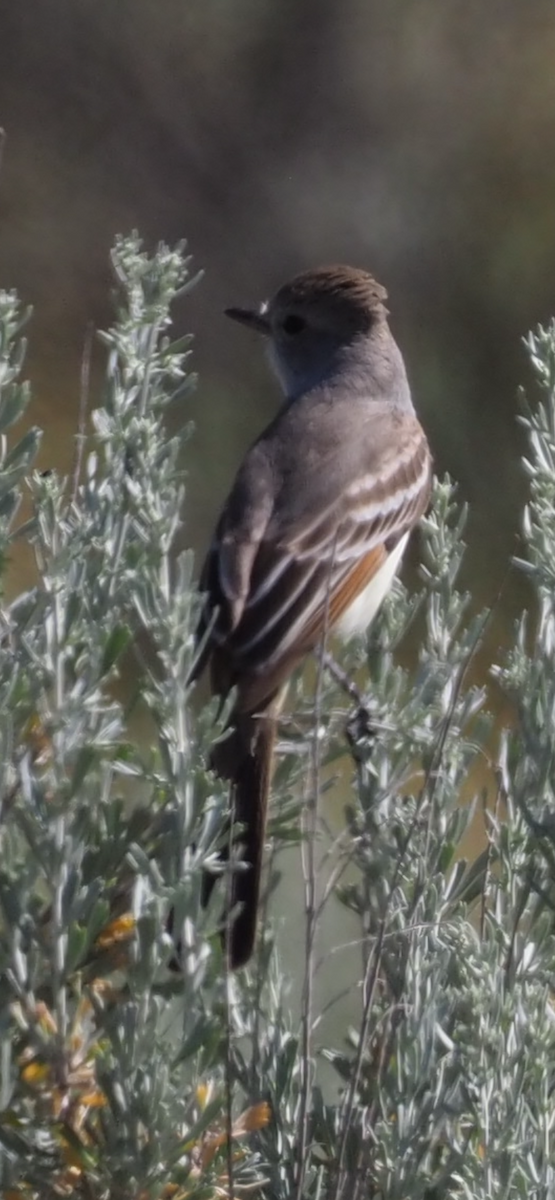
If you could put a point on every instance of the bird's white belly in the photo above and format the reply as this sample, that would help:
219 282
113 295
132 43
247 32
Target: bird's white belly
362 611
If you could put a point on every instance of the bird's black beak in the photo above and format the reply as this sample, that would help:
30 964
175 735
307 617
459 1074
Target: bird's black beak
251 318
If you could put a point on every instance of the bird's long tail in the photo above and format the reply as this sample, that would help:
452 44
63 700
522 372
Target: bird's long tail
245 757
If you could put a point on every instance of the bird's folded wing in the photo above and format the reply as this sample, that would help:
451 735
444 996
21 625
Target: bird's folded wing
304 582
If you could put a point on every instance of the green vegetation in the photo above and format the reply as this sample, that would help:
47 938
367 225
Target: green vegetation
122 1078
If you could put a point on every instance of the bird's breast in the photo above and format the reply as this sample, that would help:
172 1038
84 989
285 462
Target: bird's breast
362 611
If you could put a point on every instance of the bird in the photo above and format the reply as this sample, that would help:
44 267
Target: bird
311 534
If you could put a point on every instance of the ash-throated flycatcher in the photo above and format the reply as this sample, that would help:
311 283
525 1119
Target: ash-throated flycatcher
313 530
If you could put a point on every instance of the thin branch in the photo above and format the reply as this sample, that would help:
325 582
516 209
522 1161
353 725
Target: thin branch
229 919
311 907
345 682
499 794
84 392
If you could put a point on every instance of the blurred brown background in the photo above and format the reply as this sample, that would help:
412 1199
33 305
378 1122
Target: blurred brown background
415 139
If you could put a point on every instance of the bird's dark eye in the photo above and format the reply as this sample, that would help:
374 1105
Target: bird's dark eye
293 323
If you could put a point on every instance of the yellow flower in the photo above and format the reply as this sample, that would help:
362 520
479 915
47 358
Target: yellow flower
255 1117
36 1072
205 1093
116 931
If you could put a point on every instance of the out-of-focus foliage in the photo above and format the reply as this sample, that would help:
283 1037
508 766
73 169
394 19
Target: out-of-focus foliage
414 138
14 397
